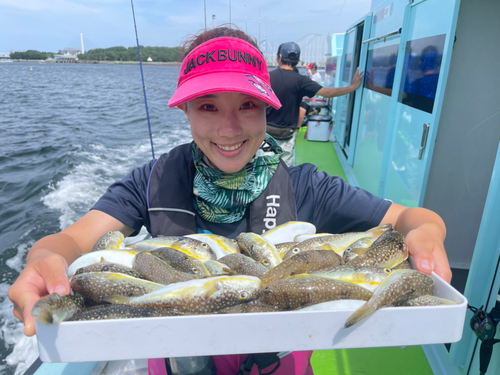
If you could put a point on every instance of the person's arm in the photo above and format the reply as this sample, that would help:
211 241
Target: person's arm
47 262
424 232
330 92
302 114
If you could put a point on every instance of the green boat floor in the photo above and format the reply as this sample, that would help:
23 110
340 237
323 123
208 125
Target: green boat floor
410 360
322 154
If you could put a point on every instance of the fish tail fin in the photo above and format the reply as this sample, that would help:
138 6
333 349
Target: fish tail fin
377 231
359 314
117 300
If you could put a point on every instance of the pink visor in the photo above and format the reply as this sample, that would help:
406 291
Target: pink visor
224 64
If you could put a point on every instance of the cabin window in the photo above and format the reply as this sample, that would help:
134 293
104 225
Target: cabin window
421 69
380 68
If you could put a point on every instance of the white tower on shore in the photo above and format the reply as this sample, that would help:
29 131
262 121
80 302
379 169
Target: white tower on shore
81 43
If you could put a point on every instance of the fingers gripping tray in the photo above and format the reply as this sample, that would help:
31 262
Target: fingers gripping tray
196 335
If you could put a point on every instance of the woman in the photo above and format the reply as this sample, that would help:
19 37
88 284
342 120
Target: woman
229 180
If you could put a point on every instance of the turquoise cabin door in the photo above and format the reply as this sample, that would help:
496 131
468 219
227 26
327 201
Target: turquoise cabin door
348 67
425 52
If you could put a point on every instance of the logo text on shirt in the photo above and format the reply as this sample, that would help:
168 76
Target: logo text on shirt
271 212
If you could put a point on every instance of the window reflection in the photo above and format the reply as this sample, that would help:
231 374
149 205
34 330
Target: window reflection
421 72
380 69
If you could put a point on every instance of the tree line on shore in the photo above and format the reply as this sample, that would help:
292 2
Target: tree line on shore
158 54
31 54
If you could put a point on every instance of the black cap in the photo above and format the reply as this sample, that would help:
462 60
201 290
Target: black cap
290 51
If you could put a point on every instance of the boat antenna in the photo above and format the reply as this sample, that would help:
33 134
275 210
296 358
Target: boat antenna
143 85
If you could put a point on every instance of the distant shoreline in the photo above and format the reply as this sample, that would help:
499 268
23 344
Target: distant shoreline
103 62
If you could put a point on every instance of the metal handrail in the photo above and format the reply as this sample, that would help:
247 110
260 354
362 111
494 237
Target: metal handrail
398 31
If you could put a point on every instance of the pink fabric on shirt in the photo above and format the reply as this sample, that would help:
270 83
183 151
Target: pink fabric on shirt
156 366
295 363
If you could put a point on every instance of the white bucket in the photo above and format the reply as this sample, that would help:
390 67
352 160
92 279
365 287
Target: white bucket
318 128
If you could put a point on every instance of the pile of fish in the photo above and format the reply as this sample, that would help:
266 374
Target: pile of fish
290 267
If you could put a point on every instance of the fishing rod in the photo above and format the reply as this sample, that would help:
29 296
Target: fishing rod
143 85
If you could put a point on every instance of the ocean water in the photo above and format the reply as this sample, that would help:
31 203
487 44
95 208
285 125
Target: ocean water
67 131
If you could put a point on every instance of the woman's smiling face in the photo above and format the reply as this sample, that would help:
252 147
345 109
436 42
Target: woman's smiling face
228 127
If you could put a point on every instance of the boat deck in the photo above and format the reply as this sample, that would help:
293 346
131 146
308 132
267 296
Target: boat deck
409 360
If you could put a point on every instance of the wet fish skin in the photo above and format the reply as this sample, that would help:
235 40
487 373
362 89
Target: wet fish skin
248 308
259 249
302 290
339 242
56 308
108 267
123 257
398 287
286 232
181 261
93 285
217 268
194 247
307 236
243 265
198 296
404 265
283 247
294 250
111 240
427 300
220 245
355 274
387 251
154 243
103 312
154 269
357 248
304 262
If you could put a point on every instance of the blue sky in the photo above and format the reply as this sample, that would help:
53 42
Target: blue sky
50 25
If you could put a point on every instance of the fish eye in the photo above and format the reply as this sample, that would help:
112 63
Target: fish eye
204 244
265 262
387 270
296 250
243 295
348 249
195 270
267 288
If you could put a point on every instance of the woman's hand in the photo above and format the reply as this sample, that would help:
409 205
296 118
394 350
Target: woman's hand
43 275
427 250
424 232
47 262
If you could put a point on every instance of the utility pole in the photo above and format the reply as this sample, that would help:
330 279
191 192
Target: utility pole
246 31
205 14
213 21
265 38
259 26
230 12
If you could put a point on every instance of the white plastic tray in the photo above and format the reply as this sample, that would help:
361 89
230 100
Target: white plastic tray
197 335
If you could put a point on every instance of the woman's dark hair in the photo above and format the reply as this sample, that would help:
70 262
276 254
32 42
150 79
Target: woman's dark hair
194 41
